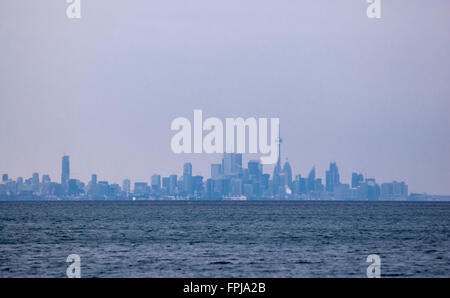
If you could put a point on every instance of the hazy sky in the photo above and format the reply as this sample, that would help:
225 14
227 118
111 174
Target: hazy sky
372 95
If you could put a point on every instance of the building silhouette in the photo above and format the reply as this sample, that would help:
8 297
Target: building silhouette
65 173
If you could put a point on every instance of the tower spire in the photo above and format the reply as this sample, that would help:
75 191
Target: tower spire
279 148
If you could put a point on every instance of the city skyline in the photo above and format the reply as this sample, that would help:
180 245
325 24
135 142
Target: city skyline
228 180
372 95
64 175
332 173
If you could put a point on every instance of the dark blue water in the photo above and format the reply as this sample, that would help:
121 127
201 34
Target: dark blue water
224 239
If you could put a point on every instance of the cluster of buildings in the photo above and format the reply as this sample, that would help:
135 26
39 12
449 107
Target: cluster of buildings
229 180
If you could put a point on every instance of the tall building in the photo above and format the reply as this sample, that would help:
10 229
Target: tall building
92 185
216 171
255 168
35 182
287 170
172 184
46 179
197 184
394 191
357 179
232 164
156 182
187 178
165 184
65 173
311 183
126 186
5 177
140 188
332 177
93 179
35 178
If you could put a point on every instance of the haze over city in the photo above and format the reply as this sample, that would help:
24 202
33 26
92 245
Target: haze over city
372 95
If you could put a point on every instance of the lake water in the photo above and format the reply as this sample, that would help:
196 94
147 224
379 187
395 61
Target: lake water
224 239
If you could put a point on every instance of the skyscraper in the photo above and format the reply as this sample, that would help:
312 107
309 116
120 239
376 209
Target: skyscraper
46 179
231 164
65 173
357 179
255 168
126 186
35 182
94 179
35 178
312 180
156 182
216 171
172 184
332 177
277 170
287 170
187 178
165 183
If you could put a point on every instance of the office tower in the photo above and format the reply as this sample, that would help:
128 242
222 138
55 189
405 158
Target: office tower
287 171
5 177
172 184
102 188
92 185
140 188
35 179
303 185
35 182
93 179
255 168
114 190
187 178
394 191
216 171
357 179
156 182
75 187
222 187
277 170
210 188
318 186
265 178
197 184
45 186
187 168
166 184
332 177
311 179
65 173
231 164
236 187
372 189
126 186
46 179
342 192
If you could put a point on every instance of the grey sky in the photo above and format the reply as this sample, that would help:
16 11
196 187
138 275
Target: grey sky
372 95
